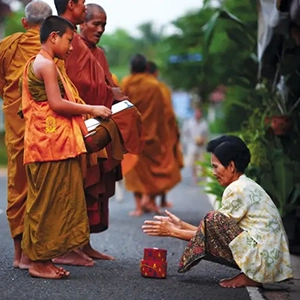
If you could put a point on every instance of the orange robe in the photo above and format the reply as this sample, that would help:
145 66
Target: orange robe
15 51
115 79
150 171
174 157
84 70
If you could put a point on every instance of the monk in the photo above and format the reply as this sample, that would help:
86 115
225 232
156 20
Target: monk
56 219
15 50
94 87
148 175
172 143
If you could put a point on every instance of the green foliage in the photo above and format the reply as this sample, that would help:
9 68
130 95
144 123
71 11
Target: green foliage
219 34
270 165
13 23
211 186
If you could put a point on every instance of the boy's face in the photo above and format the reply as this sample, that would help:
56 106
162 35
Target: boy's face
94 28
63 45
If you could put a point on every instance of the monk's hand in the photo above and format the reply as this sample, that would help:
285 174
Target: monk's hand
100 111
161 227
171 218
118 94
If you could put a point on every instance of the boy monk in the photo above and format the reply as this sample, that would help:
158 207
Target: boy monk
56 218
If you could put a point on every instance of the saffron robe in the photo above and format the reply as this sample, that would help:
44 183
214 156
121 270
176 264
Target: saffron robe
148 172
173 158
15 51
88 76
56 218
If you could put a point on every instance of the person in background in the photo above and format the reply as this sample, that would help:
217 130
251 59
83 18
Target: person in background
146 175
173 156
195 133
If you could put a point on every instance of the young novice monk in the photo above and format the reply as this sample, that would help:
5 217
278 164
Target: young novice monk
56 219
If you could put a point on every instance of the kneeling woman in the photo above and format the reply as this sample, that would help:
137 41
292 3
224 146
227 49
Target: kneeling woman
246 233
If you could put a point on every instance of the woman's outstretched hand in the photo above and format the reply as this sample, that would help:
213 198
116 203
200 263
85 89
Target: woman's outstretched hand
171 218
161 225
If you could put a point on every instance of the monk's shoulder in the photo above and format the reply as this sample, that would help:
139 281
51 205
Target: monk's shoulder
9 40
100 50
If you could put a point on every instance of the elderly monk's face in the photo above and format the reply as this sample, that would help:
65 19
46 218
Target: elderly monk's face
94 28
224 175
79 11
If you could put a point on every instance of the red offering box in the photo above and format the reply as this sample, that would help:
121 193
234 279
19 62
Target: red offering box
155 254
153 269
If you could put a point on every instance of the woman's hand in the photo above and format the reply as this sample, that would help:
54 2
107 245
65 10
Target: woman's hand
171 218
162 226
100 111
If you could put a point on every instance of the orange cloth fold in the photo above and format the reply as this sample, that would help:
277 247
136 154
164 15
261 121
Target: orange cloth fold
15 51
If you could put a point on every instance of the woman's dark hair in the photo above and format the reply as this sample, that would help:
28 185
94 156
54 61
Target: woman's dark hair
54 24
229 148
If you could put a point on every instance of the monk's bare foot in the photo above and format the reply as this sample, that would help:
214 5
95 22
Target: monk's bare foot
73 259
152 208
136 213
17 253
91 252
166 204
240 280
82 254
24 262
62 271
47 270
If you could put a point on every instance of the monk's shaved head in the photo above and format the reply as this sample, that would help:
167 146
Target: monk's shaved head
152 67
91 8
36 12
138 64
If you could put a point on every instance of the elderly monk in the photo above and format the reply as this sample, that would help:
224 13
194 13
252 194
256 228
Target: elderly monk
173 157
15 50
148 175
90 79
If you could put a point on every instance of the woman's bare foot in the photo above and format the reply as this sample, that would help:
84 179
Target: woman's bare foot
240 280
47 270
73 259
91 252
136 213
24 262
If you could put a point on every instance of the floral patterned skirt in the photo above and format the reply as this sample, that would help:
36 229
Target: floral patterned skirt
211 242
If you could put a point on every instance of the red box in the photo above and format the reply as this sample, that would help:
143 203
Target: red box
154 264
153 269
155 254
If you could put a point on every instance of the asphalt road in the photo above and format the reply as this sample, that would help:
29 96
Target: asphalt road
121 279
